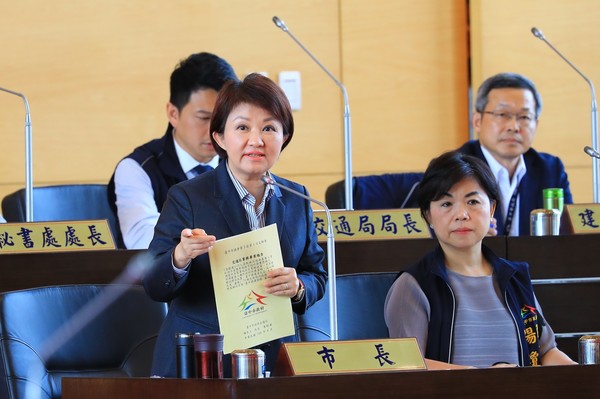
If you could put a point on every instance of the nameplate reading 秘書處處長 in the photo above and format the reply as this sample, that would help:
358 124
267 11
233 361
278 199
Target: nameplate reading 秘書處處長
57 236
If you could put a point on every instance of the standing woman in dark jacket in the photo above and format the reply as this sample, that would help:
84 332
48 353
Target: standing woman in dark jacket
251 124
466 306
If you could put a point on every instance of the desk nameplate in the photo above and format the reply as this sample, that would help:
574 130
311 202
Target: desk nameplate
55 236
383 224
581 219
333 357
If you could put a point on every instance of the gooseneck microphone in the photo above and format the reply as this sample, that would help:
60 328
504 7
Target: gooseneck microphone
347 126
28 161
594 114
331 279
591 152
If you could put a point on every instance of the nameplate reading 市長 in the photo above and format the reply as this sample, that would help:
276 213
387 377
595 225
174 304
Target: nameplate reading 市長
57 236
368 355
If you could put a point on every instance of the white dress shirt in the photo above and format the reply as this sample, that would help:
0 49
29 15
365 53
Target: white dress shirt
507 187
136 207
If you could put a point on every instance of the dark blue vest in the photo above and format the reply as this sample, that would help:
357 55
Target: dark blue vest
159 160
515 285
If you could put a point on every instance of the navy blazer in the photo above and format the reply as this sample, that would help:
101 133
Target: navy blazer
211 202
543 171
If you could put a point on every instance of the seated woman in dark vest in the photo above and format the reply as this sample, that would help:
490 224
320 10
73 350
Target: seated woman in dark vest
466 306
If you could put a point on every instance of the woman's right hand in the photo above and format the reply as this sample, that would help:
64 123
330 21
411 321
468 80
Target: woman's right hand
193 242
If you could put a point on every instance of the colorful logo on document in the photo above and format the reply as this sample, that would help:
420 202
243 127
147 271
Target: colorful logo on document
253 303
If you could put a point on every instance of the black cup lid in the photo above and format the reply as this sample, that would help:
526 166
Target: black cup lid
184 339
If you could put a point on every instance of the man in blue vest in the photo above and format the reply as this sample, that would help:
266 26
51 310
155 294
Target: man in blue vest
507 110
139 185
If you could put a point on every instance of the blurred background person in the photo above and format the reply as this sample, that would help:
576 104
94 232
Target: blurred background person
138 188
506 118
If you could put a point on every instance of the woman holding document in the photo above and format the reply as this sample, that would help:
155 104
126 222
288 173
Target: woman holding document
251 124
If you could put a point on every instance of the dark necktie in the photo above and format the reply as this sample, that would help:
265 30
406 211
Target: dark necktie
202 168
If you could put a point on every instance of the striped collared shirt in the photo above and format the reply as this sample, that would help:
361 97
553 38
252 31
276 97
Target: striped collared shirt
256 216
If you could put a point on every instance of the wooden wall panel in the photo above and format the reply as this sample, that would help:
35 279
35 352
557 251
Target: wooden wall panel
96 75
406 68
502 41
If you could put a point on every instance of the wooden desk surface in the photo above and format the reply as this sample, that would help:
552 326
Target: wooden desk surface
21 271
570 308
549 257
562 382
557 256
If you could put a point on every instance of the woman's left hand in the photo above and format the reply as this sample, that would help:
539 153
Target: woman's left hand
282 281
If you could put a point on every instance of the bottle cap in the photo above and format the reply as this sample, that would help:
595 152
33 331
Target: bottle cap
553 193
184 339
208 342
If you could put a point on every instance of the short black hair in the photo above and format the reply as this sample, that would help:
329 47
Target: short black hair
198 71
506 80
448 169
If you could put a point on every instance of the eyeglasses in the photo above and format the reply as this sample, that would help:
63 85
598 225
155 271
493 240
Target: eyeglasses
524 120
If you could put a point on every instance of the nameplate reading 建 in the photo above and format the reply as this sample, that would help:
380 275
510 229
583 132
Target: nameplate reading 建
581 219
369 355
57 236
381 224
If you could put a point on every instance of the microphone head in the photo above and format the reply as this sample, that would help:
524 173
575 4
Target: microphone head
279 23
591 152
266 179
537 33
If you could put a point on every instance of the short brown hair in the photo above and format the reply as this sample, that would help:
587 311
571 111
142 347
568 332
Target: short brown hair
257 90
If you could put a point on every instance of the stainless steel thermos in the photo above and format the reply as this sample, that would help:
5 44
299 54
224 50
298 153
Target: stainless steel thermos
545 222
589 349
248 363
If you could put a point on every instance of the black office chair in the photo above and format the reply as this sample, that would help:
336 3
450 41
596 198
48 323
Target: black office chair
360 301
386 191
64 202
117 343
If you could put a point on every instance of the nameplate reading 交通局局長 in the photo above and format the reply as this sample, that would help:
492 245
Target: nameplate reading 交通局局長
383 224
57 236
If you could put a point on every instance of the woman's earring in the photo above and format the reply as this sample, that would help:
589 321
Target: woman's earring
431 225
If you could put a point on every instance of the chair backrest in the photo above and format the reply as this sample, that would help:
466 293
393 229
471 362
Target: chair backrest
117 342
64 202
386 191
360 300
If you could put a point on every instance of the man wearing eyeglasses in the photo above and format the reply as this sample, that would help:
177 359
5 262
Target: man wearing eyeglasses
507 109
